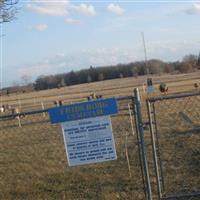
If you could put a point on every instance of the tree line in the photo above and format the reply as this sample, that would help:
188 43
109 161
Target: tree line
189 63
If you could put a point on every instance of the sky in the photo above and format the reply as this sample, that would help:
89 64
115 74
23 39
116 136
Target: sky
57 36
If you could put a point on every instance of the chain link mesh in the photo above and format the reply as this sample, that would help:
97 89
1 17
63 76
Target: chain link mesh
33 162
178 138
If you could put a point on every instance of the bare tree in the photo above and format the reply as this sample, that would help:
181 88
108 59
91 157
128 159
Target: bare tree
100 77
26 79
8 10
89 79
192 59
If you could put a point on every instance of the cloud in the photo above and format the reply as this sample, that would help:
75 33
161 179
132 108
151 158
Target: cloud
197 6
195 9
84 9
38 27
45 67
117 23
109 56
50 8
36 69
61 8
170 49
61 63
71 21
116 9
60 54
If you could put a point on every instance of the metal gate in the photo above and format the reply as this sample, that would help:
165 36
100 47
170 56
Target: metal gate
175 137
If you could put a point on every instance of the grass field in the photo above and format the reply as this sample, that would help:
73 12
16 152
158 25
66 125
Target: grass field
117 87
33 162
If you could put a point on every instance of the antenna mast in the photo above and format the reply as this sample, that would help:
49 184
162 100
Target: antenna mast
145 53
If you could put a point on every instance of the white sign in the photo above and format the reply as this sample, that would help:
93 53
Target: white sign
89 140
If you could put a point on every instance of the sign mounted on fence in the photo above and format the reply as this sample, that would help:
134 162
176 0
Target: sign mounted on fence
83 110
87 130
89 141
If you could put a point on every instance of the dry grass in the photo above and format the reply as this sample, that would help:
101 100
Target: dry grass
33 161
33 165
179 138
109 88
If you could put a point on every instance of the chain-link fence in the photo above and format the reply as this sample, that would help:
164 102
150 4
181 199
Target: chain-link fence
175 135
33 163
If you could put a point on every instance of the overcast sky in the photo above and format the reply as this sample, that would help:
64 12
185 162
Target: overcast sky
50 37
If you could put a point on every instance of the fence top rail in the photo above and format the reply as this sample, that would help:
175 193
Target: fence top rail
174 96
46 110
23 114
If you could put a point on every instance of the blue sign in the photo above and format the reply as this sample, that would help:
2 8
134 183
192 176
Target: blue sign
83 110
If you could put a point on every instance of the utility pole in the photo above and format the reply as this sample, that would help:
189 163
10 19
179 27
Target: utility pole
150 87
145 53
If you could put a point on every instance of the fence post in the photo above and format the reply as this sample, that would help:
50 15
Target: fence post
131 118
155 158
142 146
42 104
